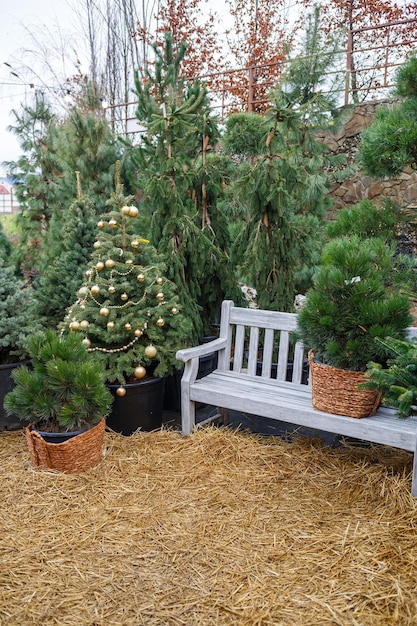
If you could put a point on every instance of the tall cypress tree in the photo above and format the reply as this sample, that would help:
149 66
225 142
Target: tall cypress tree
182 184
283 183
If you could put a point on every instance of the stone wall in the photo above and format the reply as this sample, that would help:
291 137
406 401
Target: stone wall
402 190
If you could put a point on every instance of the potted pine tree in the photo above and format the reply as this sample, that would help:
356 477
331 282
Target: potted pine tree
65 399
346 310
128 315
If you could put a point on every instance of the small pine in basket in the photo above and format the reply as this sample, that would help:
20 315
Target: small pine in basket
350 305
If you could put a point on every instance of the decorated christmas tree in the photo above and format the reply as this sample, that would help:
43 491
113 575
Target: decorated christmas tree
127 310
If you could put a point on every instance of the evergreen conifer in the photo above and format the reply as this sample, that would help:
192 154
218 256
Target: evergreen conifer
127 310
182 182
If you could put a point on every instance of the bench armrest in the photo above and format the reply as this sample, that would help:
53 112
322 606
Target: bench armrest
205 348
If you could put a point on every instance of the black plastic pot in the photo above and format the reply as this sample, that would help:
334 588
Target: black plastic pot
141 408
57 437
9 422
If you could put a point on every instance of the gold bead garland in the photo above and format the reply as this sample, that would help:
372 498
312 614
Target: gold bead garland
114 350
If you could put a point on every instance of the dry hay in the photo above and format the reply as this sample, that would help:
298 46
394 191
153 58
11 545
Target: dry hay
219 528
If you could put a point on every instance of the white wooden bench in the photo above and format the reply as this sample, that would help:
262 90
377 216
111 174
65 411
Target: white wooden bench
243 382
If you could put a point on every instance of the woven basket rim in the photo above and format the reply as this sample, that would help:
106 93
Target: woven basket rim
312 359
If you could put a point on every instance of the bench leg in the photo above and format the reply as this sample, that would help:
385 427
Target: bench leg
414 478
187 416
225 415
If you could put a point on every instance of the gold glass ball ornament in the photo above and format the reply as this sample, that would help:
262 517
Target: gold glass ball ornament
95 289
112 223
160 322
110 263
128 326
160 296
111 289
159 280
138 332
89 273
121 391
128 261
133 211
150 351
104 311
82 292
74 325
141 277
97 245
101 224
100 266
135 244
86 342
84 324
124 297
110 325
125 210
174 310
140 371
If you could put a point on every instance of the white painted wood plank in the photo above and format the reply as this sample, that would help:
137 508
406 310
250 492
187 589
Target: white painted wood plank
253 350
239 348
284 343
267 353
297 371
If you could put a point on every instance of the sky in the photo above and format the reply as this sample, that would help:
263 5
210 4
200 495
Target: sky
15 18
18 16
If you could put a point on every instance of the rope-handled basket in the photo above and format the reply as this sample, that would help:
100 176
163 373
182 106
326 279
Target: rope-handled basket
72 456
336 391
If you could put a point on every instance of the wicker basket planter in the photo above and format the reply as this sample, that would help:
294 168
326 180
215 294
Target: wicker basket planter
336 391
75 455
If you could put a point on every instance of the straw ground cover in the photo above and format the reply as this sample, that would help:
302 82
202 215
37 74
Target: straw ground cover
219 528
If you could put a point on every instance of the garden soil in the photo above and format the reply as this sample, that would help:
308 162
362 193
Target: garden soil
223 527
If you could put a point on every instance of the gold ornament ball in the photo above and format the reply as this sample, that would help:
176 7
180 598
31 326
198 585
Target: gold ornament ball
100 266
84 324
82 292
124 297
95 289
101 224
160 296
97 245
138 332
89 273
110 324
128 326
174 310
133 211
159 280
141 278
104 311
121 391
128 261
86 342
125 210
110 263
140 371
160 322
150 351
112 289
74 325
135 244
112 223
